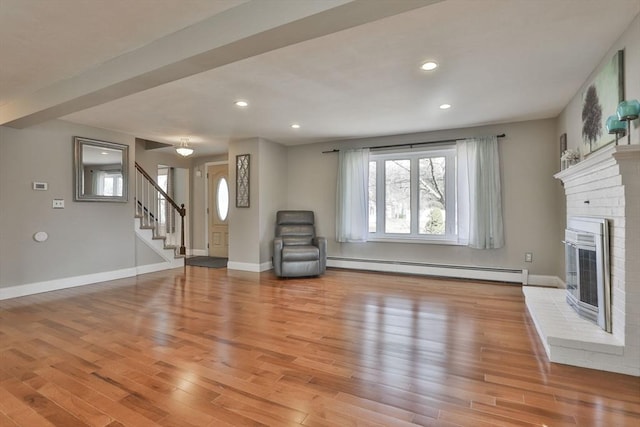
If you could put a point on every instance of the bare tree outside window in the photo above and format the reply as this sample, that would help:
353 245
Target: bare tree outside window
432 212
398 196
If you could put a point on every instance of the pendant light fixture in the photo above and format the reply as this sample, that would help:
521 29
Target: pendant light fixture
184 149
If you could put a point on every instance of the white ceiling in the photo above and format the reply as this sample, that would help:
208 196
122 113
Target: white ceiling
500 61
43 41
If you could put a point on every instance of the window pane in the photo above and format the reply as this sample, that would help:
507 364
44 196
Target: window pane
111 184
397 196
162 182
432 212
223 199
372 197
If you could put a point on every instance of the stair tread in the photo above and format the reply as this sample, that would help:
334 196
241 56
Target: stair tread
154 227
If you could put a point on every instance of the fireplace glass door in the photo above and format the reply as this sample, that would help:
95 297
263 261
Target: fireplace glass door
587 270
582 280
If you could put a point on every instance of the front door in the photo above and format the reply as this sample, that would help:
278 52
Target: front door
218 210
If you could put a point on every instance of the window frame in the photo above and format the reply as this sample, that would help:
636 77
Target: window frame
450 236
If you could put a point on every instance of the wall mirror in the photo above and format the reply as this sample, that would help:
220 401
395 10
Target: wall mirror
101 170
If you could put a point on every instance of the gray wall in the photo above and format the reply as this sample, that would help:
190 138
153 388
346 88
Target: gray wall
244 223
251 230
529 157
273 194
145 255
84 237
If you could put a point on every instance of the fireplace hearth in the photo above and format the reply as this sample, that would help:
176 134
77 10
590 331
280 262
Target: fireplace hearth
604 185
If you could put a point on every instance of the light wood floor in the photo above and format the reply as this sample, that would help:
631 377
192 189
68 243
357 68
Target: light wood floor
219 348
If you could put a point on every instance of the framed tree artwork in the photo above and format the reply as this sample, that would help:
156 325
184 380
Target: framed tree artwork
600 100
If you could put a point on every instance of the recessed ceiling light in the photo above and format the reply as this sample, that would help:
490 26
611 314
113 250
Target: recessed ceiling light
445 106
295 126
429 66
242 103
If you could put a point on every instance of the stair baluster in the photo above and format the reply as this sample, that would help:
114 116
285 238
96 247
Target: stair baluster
158 212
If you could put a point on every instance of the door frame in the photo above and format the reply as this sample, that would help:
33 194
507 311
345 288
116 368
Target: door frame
206 200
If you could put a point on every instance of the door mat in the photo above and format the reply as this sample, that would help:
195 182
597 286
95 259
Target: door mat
207 261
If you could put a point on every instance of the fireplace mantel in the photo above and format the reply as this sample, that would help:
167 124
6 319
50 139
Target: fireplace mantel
606 184
599 160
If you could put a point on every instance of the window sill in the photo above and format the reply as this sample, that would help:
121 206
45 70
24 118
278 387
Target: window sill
395 239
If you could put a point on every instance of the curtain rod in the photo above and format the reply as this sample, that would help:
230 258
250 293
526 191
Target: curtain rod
411 144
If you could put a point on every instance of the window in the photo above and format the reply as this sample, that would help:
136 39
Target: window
412 195
163 181
108 183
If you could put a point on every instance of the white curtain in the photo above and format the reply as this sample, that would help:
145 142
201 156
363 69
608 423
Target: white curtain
352 213
99 178
479 195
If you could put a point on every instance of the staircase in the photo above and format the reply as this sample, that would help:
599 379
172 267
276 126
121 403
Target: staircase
159 221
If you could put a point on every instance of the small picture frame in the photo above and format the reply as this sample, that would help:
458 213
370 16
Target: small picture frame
563 143
243 165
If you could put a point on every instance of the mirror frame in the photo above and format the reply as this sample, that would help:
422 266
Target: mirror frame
79 144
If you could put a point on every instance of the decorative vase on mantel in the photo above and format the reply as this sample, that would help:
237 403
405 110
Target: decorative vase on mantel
569 158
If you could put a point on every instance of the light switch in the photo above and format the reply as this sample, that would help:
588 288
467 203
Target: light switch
58 203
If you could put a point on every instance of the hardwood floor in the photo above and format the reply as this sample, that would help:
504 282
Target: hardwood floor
218 347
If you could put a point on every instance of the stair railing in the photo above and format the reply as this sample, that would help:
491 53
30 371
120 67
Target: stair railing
158 212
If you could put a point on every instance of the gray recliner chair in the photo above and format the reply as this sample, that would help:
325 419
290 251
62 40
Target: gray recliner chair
296 249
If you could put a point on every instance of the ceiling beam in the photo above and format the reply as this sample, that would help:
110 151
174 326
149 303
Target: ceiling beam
244 31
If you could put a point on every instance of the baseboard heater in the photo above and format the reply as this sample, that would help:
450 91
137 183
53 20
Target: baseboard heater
443 270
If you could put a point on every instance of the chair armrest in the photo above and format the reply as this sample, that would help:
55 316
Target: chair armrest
321 244
277 256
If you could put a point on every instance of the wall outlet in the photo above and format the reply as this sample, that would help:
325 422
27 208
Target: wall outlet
528 257
58 204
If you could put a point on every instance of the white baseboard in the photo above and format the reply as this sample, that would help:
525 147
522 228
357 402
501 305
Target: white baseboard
246 266
87 279
546 281
64 283
152 268
454 271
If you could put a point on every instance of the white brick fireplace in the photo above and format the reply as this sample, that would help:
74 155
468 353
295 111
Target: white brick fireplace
605 185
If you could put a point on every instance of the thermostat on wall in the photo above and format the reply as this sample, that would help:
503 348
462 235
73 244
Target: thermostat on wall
42 186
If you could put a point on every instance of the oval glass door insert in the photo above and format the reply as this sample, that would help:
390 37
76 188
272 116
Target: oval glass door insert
223 199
